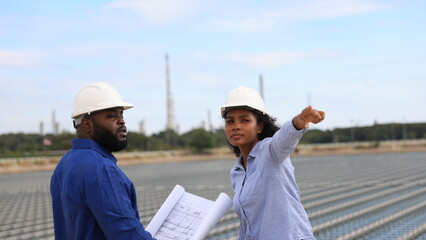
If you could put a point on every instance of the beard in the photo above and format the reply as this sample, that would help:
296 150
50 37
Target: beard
107 139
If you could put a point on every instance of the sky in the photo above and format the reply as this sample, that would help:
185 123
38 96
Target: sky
360 61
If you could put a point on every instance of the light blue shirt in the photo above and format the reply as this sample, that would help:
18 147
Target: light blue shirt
267 198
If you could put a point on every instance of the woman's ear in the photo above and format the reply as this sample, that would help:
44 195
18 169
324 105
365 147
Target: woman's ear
260 127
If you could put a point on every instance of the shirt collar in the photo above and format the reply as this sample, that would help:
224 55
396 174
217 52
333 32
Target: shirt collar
252 155
85 143
254 151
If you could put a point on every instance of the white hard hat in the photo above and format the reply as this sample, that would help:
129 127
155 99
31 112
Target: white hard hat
243 97
97 96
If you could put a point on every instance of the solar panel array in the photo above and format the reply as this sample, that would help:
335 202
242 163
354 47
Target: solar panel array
369 196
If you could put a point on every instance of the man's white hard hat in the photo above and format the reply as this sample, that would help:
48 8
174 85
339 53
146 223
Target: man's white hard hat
244 97
97 96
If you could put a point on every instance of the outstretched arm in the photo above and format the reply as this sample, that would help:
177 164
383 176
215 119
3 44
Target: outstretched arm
308 115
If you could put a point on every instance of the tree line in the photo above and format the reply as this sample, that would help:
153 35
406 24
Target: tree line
199 139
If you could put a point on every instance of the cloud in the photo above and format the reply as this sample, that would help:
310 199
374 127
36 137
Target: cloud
238 17
91 49
242 25
20 59
158 11
266 59
270 59
268 17
208 79
320 9
103 48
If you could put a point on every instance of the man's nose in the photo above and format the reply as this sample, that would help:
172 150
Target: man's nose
121 120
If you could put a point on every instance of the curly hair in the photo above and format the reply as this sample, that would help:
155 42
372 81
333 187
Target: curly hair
269 128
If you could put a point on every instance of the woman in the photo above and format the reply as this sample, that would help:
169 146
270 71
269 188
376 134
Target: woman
266 194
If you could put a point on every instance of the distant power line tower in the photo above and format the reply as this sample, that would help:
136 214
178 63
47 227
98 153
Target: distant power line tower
142 127
41 128
170 112
209 120
55 124
261 86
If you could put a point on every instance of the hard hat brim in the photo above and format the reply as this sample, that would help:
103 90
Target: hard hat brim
225 109
124 105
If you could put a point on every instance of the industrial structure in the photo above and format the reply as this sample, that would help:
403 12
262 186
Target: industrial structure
170 125
261 86
55 124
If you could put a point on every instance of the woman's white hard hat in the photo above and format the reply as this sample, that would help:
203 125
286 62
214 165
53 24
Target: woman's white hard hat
97 96
243 97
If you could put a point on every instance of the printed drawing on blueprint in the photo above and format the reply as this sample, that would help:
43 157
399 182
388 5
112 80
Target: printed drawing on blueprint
184 219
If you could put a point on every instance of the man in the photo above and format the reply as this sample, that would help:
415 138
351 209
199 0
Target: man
91 197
